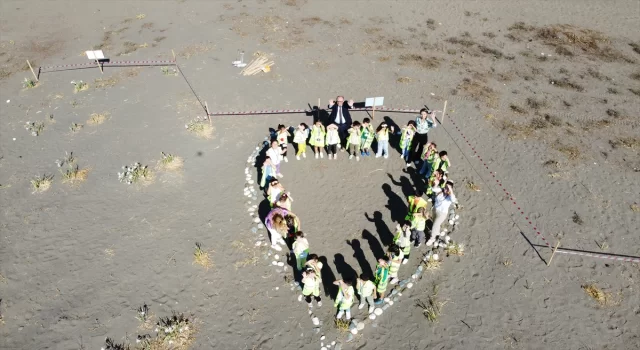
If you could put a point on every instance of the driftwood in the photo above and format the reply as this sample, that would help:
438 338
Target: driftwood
258 64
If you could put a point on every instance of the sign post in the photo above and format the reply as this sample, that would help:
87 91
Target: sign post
373 102
96 55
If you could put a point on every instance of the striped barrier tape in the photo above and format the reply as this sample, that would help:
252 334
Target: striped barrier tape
109 64
285 111
601 256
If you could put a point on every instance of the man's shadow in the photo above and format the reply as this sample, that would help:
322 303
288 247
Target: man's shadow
418 180
396 205
328 277
374 245
386 236
358 253
318 113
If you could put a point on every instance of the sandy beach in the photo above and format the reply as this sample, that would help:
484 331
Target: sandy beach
542 128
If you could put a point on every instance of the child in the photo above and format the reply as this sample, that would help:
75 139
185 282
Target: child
366 290
300 250
405 140
315 267
311 287
273 192
283 201
415 202
418 225
442 162
382 135
300 137
275 154
344 299
353 141
395 260
333 141
437 179
293 226
317 138
381 279
428 157
268 172
276 224
367 137
403 240
282 136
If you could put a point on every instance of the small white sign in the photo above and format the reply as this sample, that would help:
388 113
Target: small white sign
374 101
95 55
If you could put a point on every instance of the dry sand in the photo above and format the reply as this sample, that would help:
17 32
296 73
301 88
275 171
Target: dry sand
78 259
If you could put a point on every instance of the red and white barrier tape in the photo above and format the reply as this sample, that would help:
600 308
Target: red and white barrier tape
110 63
284 111
493 175
601 256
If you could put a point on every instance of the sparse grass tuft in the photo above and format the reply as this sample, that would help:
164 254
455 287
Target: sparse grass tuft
432 264
201 127
472 186
431 24
517 109
571 152
553 120
98 118
41 183
342 325
422 61
612 91
535 103
603 298
201 257
79 86
110 344
635 75
628 142
74 174
635 207
507 262
169 71
134 173
433 307
35 128
171 162
538 123
635 91
489 35
75 127
551 163
462 42
384 58
404 80
567 84
479 91
576 218
453 248
29 83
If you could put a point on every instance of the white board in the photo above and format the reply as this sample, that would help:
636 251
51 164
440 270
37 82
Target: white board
374 101
95 55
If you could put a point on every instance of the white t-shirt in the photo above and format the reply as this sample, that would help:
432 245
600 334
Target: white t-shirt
442 202
274 154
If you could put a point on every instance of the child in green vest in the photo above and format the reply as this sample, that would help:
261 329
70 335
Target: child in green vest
405 140
300 137
415 202
403 240
313 277
366 290
418 225
442 162
300 250
368 134
317 138
344 299
395 260
353 141
428 156
381 279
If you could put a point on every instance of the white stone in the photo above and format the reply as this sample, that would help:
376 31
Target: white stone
378 311
386 300
258 243
277 288
457 217
274 263
276 256
414 276
354 331
360 326
372 317
256 220
322 338
299 297
250 182
435 256
280 263
400 294
315 321
447 239
450 222
390 302
333 343
409 285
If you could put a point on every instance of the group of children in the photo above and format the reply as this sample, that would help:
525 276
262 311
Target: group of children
285 229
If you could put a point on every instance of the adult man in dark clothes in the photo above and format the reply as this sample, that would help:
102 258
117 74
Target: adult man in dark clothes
340 116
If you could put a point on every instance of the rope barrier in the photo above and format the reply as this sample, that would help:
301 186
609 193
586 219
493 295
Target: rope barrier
107 64
286 111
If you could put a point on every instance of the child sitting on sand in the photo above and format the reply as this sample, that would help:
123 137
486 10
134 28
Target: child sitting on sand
353 141
282 136
366 290
366 139
382 135
317 138
300 137
333 140
344 299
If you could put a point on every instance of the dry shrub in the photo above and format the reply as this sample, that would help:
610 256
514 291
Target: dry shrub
635 47
551 163
128 47
521 26
571 152
635 91
195 49
517 109
384 58
431 24
201 257
596 74
419 60
553 120
74 174
200 127
515 130
538 123
479 91
598 124
41 183
535 103
404 80
170 162
311 21
635 207
489 35
98 118
635 75
603 298
563 51
342 325
628 142
589 41
102 83
489 51
463 42
565 83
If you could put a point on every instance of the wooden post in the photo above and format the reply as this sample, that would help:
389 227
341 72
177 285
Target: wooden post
206 106
32 72
444 111
174 55
99 66
553 253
